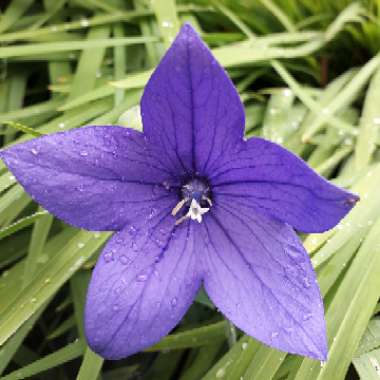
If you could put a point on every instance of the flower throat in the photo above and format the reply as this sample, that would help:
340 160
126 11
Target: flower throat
196 195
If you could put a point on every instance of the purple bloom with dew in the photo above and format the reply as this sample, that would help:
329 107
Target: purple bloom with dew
192 204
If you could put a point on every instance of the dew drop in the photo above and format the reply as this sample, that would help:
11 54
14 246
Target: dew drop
125 260
152 213
306 282
61 125
167 24
295 253
84 22
274 334
47 280
174 302
244 346
132 231
33 300
166 185
108 256
307 316
142 278
326 111
80 245
34 151
220 373
83 153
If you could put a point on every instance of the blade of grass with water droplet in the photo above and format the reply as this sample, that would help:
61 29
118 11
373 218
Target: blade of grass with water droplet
224 367
58 269
371 338
89 64
276 116
368 365
167 19
349 311
346 97
369 124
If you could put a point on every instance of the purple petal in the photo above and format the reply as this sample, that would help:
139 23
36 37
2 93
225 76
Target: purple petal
97 178
268 178
190 106
143 283
259 275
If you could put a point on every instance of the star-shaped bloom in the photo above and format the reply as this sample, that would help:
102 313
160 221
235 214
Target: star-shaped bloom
192 203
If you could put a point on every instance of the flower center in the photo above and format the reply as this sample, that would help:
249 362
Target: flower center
195 195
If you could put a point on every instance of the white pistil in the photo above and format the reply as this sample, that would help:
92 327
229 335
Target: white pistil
195 212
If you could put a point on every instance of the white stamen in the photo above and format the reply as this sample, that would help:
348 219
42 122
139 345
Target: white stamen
208 200
195 211
178 207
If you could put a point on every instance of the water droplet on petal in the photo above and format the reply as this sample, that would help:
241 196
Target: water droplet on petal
307 316
274 334
295 253
125 260
83 153
142 278
306 282
244 346
34 151
174 302
108 256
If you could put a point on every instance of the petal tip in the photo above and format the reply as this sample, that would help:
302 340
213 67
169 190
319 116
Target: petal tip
187 28
352 199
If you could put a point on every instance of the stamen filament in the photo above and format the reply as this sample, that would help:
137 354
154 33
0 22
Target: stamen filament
178 207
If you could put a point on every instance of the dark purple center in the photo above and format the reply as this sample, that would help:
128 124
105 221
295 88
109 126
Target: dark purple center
197 189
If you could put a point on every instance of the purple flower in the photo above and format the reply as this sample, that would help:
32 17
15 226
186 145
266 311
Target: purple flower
192 203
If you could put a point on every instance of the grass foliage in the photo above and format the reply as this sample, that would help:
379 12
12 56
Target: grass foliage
308 73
